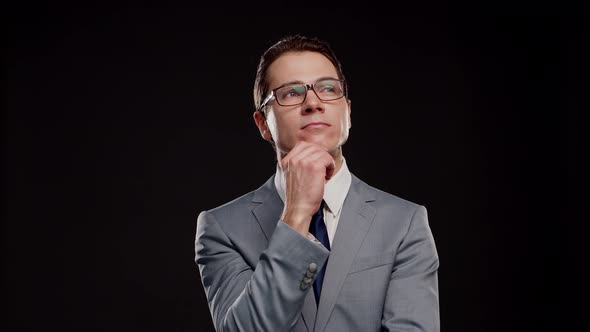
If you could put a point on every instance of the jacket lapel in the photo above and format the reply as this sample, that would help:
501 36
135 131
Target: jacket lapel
355 221
267 208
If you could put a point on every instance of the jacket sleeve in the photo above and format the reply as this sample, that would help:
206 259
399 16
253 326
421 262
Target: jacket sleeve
269 297
411 302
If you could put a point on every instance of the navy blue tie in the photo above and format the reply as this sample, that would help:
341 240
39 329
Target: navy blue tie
317 228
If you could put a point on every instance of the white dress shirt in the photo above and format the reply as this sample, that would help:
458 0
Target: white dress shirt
335 192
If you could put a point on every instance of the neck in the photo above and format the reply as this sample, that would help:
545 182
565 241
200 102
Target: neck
337 159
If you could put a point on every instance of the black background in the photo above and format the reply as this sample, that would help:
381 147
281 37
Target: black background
122 123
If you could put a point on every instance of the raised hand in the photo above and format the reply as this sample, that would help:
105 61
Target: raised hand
306 168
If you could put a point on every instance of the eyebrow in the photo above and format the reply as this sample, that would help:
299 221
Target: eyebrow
301 82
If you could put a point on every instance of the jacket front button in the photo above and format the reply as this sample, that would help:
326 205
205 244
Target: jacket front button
303 286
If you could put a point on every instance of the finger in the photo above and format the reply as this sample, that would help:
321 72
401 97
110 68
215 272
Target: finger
294 151
330 170
330 165
307 155
326 159
300 152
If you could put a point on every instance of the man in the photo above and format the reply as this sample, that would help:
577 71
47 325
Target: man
314 248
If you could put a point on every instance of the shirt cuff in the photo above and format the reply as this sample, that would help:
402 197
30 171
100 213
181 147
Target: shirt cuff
309 236
313 238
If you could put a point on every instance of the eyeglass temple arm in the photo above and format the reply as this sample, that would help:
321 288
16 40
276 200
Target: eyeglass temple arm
265 101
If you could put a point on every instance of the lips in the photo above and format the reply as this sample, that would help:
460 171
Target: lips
315 124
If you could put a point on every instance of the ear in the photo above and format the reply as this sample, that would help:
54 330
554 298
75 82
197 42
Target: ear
260 121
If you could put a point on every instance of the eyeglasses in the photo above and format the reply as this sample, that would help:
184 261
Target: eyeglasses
295 94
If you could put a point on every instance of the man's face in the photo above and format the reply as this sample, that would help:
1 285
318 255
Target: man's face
321 122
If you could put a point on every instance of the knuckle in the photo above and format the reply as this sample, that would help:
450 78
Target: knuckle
317 167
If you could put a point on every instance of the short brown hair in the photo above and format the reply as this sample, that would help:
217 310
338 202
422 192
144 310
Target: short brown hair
291 43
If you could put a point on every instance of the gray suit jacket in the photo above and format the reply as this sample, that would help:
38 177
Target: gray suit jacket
381 274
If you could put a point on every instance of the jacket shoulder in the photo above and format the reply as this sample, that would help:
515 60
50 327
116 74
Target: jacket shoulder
383 197
231 208
240 207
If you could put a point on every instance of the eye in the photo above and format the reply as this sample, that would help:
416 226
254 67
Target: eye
328 87
291 91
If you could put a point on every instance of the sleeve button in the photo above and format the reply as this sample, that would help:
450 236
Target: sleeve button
312 267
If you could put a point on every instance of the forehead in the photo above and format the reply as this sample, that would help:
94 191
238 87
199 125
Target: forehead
304 66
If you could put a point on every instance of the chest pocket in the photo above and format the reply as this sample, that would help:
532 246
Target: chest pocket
362 263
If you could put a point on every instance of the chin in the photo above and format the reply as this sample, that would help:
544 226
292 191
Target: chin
320 140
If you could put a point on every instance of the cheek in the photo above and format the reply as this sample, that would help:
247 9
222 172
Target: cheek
281 128
344 125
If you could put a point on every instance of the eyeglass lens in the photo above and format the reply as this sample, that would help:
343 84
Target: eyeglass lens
295 94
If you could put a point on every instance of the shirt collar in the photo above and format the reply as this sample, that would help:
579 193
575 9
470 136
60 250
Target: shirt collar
335 190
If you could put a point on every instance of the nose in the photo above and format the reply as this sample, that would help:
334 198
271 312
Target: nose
312 103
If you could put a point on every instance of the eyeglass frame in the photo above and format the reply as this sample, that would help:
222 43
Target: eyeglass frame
307 88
